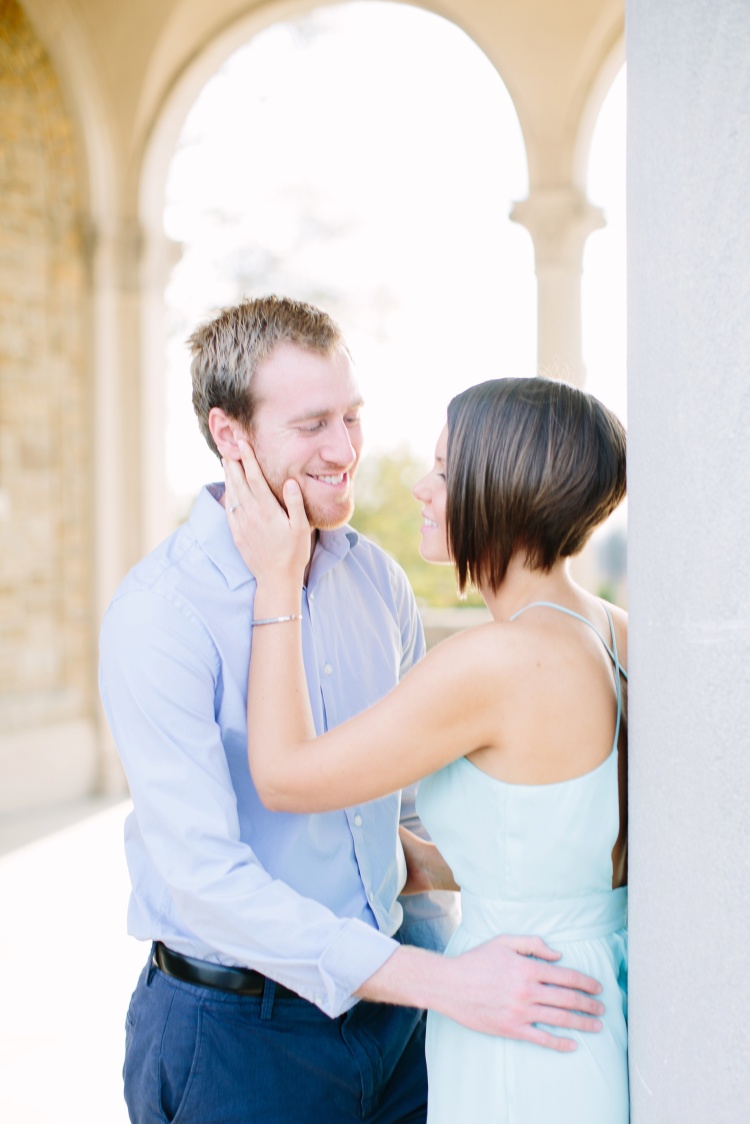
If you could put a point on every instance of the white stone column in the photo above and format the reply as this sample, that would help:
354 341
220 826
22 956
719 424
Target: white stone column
159 257
115 257
559 221
689 558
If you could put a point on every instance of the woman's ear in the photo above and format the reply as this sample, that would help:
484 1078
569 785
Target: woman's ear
226 432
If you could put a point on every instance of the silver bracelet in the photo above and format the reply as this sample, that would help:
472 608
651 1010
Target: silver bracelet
276 620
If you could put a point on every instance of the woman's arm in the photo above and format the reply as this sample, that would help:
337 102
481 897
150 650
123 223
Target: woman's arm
438 712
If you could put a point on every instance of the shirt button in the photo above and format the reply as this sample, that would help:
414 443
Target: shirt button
358 820
327 669
371 896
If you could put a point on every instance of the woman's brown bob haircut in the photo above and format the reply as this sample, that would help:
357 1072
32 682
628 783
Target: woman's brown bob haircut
533 465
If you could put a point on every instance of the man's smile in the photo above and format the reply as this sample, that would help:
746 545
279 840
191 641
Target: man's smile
330 480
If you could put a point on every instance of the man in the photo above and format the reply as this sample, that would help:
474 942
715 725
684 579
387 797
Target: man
268 928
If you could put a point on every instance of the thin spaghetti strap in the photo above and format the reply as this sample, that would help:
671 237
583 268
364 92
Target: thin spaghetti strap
585 620
618 672
619 669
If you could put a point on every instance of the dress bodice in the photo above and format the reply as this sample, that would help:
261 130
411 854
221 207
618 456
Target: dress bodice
518 842
533 859
521 842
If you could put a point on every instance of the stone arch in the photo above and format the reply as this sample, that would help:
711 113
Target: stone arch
160 119
58 30
180 67
46 558
608 69
556 97
172 84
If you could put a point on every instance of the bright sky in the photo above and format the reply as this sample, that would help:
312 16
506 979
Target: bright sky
366 157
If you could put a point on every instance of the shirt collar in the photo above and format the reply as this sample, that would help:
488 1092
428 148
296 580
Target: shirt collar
330 548
208 522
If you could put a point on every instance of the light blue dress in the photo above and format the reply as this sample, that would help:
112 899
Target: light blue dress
533 859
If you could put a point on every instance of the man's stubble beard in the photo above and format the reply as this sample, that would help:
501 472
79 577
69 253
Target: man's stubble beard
328 519
320 519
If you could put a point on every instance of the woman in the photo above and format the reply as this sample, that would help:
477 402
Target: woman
518 726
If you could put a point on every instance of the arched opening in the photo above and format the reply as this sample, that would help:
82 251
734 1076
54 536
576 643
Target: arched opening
366 157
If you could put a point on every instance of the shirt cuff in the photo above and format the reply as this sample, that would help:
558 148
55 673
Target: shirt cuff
352 957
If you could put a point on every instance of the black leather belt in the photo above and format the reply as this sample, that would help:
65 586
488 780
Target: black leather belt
240 981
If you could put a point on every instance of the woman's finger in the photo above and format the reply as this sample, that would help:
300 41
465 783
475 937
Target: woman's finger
248 484
295 506
236 485
253 472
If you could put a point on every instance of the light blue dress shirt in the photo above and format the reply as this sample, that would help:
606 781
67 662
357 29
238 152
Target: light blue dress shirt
309 900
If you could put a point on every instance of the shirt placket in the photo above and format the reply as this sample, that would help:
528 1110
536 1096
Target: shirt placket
355 816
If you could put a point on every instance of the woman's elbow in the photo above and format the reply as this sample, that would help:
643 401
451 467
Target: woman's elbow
270 795
274 796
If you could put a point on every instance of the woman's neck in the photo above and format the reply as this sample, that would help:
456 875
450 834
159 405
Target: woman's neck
523 585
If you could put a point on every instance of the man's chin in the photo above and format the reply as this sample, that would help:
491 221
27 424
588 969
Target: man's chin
325 518
321 517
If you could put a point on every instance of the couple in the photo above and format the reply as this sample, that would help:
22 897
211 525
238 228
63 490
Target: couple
268 926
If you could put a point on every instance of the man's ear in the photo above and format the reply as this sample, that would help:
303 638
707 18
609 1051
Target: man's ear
226 432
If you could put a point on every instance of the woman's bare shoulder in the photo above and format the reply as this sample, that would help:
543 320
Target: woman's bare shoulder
619 615
484 652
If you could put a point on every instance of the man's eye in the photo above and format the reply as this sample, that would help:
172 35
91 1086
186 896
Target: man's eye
311 428
355 419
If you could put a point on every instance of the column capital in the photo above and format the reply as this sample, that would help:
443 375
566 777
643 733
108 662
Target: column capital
559 220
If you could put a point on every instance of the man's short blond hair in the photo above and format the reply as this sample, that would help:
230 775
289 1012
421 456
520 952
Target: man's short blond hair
228 350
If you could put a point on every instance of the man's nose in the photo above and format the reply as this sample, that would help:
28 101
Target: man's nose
338 448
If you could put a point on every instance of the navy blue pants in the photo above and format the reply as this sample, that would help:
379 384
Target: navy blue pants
195 1055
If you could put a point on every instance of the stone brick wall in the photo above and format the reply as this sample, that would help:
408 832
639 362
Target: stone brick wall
47 666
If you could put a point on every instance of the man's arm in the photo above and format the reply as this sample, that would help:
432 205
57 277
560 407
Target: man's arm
194 878
499 988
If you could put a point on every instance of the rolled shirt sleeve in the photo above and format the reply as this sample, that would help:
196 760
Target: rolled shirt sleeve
197 885
309 900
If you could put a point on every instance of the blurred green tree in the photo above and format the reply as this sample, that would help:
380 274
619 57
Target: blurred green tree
388 514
